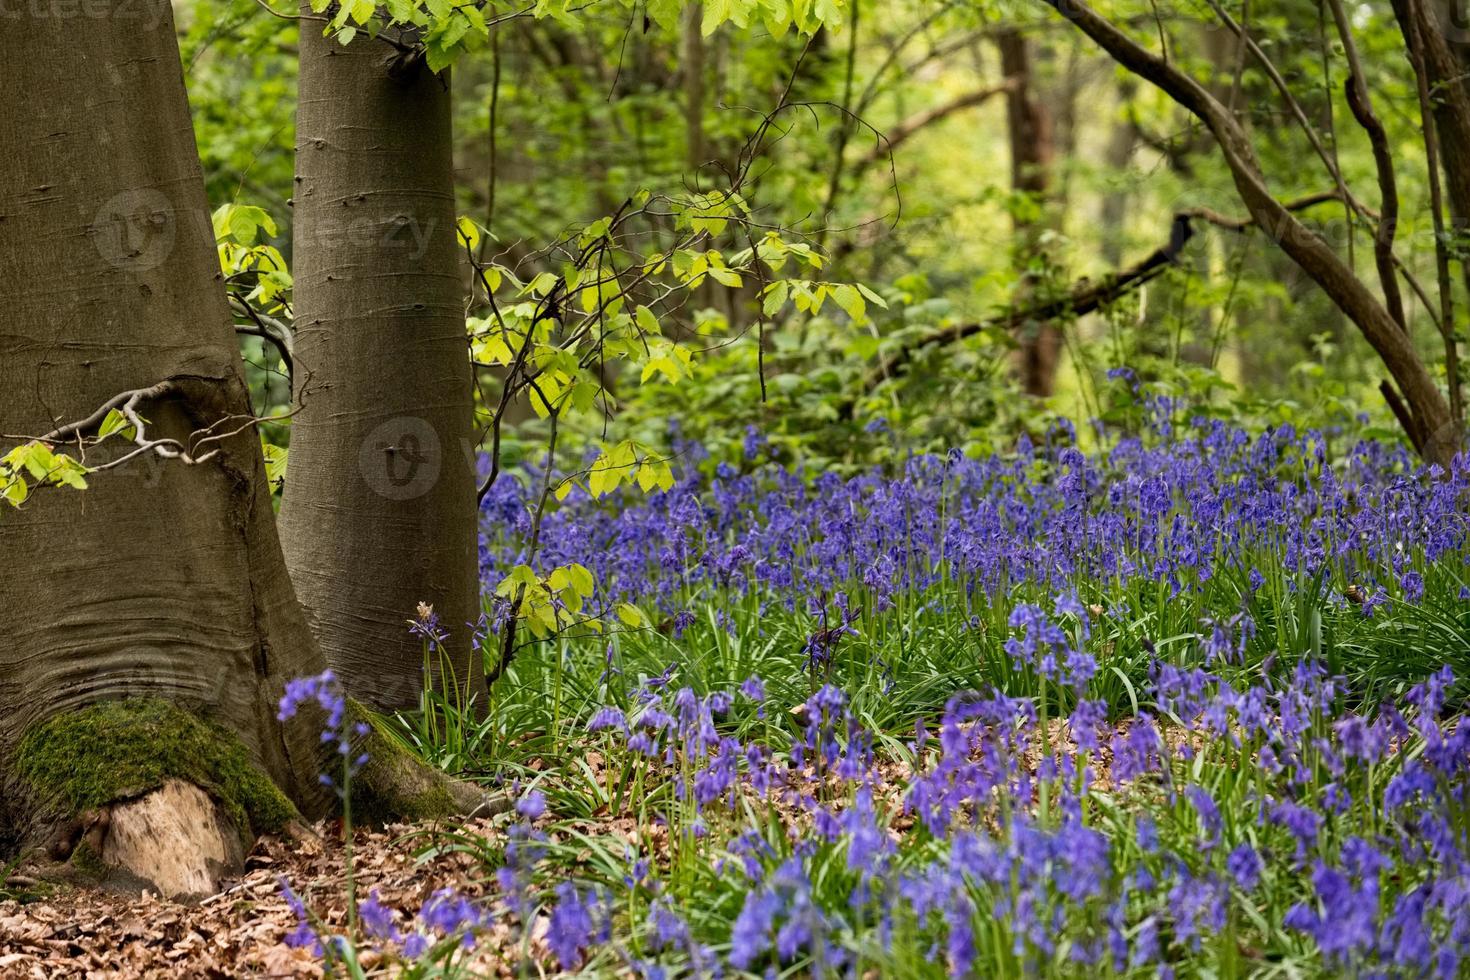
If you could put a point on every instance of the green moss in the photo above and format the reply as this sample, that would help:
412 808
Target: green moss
396 785
120 749
86 860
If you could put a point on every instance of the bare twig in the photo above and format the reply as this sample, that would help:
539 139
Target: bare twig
1362 107
267 328
128 398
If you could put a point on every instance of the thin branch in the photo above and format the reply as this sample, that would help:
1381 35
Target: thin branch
268 328
870 91
1292 104
127 404
1362 107
124 398
1086 295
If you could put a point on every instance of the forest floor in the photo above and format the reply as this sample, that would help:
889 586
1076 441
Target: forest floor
242 931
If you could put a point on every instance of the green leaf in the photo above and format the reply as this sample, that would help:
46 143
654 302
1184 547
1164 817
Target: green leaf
725 277
851 302
542 284
829 13
437 56
36 458
775 297
873 297
716 12
476 19
275 463
242 223
115 422
646 321
469 233
14 489
69 472
665 13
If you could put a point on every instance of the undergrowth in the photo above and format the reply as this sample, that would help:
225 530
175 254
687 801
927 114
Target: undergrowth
1189 706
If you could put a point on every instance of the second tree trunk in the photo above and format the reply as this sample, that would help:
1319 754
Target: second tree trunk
379 512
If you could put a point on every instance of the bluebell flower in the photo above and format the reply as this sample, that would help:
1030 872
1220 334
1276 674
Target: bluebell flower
573 925
532 805
378 920
1245 866
608 718
750 936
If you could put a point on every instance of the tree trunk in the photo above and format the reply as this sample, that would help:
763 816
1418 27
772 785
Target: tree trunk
163 579
1451 111
1446 32
1029 126
692 70
379 511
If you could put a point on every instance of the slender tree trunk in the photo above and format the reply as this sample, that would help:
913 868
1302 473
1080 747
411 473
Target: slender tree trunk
692 70
1030 129
379 511
163 579
1450 94
1445 28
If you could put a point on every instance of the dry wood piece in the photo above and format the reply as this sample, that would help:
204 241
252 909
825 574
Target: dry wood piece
175 839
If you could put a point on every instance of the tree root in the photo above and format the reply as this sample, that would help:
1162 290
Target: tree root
394 785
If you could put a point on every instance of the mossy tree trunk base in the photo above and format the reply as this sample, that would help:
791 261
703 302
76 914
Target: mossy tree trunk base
395 785
141 794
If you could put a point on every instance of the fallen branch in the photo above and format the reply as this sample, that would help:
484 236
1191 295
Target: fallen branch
1086 295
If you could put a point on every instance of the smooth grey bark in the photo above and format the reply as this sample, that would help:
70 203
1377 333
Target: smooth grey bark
161 579
379 511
